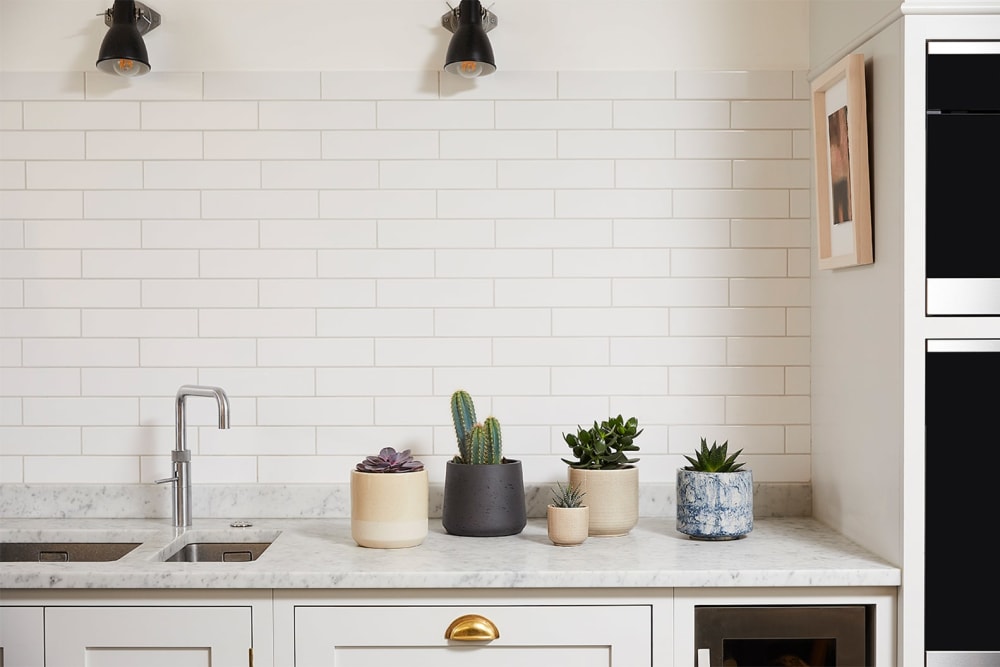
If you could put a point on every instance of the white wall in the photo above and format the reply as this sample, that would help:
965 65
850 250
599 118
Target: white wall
341 249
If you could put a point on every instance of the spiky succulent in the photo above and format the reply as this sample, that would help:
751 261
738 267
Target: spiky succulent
478 443
389 460
714 459
567 496
603 446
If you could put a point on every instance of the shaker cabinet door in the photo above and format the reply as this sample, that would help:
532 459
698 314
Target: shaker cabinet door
21 637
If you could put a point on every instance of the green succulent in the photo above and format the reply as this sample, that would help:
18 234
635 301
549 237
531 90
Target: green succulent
567 496
714 459
603 446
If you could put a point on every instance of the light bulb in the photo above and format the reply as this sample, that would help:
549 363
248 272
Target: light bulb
127 67
470 69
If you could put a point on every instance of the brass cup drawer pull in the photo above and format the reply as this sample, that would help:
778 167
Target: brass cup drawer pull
472 628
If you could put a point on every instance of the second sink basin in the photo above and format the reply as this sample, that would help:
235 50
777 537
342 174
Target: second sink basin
218 552
63 552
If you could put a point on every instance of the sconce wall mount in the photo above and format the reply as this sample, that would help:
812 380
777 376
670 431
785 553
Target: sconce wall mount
123 52
469 53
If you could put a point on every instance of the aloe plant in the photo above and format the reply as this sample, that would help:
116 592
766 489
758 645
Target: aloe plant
478 443
567 496
714 459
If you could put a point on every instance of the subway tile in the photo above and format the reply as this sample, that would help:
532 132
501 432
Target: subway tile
201 415
31 322
551 351
12 175
797 380
799 262
40 382
156 86
802 144
260 204
257 323
39 440
81 469
616 85
495 203
673 173
667 351
731 203
527 292
260 382
729 262
623 144
137 382
798 439
728 380
380 145
10 411
798 322
524 322
201 174
375 85
605 381
83 175
552 174
610 263
414 351
786 468
211 469
41 145
140 323
365 439
755 439
258 263
614 203
143 145
674 409
315 115
262 145
129 204
771 115
140 263
490 263
504 84
319 174
201 293
610 321
416 410
777 233
11 113
75 293
258 441
11 234
771 174
315 352
11 293
435 233
199 115
672 233
80 234
498 144
734 144
305 469
37 204
378 263
769 292
671 114
40 264
437 174
200 234
41 85
317 234
548 410
548 233
316 293
735 84
494 381
727 322
10 353
213 352
375 322
373 381
262 85
435 115
799 204
335 204
81 411
773 351
320 411
90 115
80 352
674 292
767 410
553 115
431 293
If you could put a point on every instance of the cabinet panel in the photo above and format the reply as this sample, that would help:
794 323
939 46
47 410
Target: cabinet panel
148 636
21 637
543 635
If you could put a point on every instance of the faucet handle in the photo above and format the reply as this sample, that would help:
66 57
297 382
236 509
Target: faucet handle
165 480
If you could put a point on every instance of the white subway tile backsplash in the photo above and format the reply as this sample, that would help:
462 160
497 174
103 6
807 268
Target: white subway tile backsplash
437 174
317 115
763 439
412 351
315 352
262 145
320 411
436 233
770 292
734 84
575 233
497 144
201 174
198 115
729 262
254 382
674 114
622 144
797 379
504 85
775 351
136 382
39 440
211 469
81 293
363 440
663 351
595 203
257 441
11 293
770 174
198 351
305 469
80 411
734 144
316 293
143 145
158 86
11 114
525 292
160 411
375 85
205 293
519 263
257 322
82 234
11 469
10 411
553 174
41 85
317 234
766 115
797 322
610 321
207 234
670 292
319 175
373 381
28 322
493 381
335 204
727 322
435 115
12 175
81 115
374 322
798 439
730 203
636 85
429 293
140 263
39 263
131 204
380 145
611 263
262 85
553 115
40 382
258 264
673 173
604 380
38 204
80 352
800 204
379 263
82 175
778 233
799 262
767 409
725 381
11 234
140 323
672 233
81 469
492 322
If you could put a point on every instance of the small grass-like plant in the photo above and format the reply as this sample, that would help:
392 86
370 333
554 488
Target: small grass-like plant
714 459
567 496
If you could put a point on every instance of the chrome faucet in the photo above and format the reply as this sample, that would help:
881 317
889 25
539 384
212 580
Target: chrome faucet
181 456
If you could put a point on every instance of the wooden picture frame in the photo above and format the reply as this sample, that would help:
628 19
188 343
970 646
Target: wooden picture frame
843 194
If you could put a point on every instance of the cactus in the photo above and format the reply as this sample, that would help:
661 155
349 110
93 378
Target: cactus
478 443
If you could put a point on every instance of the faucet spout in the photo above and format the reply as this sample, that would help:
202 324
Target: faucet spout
181 456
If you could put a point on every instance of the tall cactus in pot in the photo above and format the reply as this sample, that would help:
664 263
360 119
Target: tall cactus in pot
478 443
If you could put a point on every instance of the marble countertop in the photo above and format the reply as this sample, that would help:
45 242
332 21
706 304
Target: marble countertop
319 553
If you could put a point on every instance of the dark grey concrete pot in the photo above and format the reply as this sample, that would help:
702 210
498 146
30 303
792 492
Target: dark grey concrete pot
484 500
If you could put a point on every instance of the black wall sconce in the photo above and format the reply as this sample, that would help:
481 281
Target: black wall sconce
469 52
123 52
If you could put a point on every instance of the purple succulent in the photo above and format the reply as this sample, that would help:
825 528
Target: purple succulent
389 460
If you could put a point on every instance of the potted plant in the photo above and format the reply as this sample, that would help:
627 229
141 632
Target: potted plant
603 470
714 495
568 518
389 505
483 491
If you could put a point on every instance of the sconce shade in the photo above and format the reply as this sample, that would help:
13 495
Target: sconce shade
469 52
123 52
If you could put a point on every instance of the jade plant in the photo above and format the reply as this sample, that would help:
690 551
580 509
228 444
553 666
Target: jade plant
567 496
389 460
478 442
714 459
604 446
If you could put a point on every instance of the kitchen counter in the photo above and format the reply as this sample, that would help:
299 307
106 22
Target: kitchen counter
319 553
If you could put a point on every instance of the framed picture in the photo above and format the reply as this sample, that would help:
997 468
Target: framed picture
840 131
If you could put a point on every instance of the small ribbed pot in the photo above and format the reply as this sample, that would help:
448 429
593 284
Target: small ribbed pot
613 498
389 509
714 505
568 526
484 500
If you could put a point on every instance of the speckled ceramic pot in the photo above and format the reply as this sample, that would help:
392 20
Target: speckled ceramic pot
484 500
714 506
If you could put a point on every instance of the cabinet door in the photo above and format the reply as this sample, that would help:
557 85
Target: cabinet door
21 637
529 636
147 636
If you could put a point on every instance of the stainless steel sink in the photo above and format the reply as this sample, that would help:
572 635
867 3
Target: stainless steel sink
218 552
64 552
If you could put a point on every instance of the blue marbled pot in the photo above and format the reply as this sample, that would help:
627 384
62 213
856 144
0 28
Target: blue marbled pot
714 506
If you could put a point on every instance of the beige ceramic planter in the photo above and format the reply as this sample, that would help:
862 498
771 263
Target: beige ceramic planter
389 509
568 526
613 498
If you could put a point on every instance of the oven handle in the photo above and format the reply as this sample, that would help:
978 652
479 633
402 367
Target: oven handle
704 657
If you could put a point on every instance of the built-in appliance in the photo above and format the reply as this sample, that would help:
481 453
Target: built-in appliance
792 635
963 146
962 500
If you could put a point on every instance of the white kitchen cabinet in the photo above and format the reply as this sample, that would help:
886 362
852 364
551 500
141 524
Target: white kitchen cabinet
21 637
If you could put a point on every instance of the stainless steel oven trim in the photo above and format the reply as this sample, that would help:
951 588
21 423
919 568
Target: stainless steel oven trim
962 659
963 296
963 345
